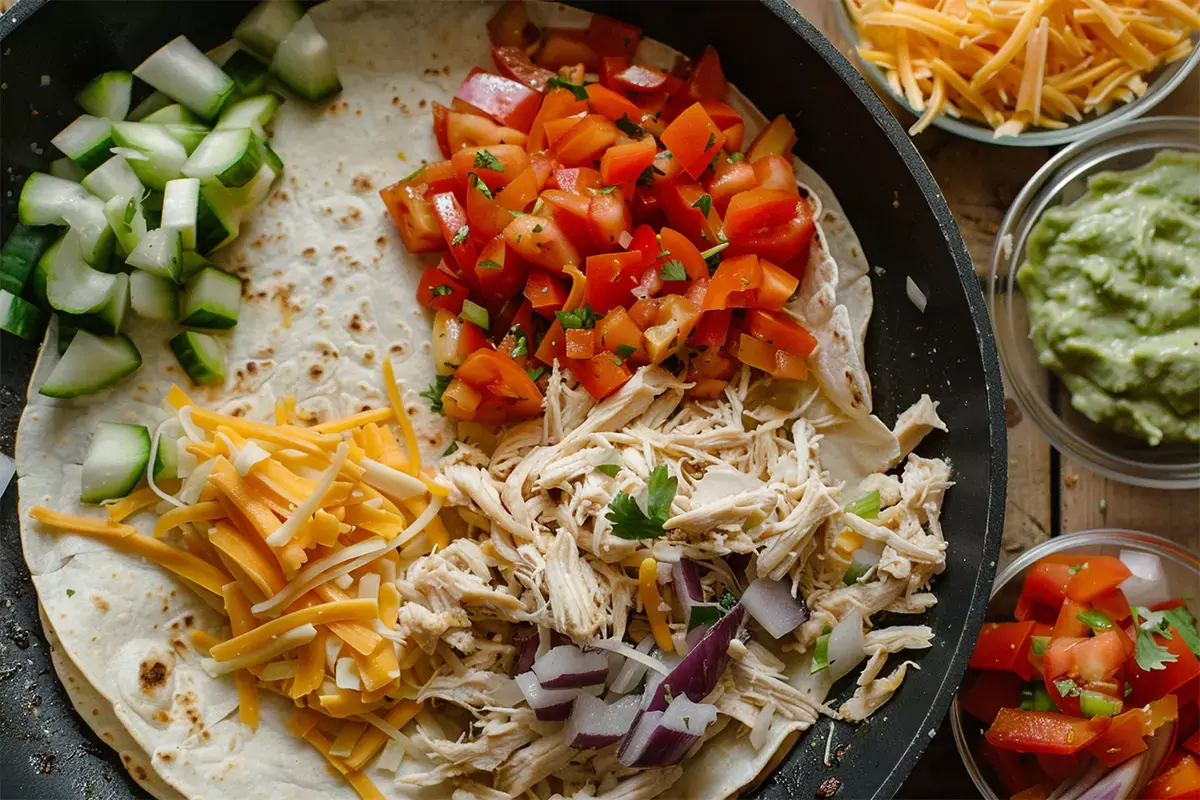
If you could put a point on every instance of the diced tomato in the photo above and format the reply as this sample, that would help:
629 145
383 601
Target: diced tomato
1027 610
679 248
712 330
1182 779
1039 791
510 25
557 128
733 283
602 374
503 99
617 331
513 62
540 241
608 218
990 692
721 113
775 362
438 289
1046 583
1059 768
1100 574
728 179
559 104
1044 731
543 165
516 312
499 273
1004 646
756 209
612 278
546 293
1123 739
681 202
1068 623
460 400
1167 605
520 192
1193 743
778 285
577 180
609 66
507 392
484 212
779 244
778 139
586 141
581 343
1113 604
469 130
734 135
775 172
781 331
1015 771
1151 684
610 37
707 79
693 139
565 47
455 229
640 78
626 162
612 104
413 215
453 340
674 319
441 122
553 345
571 213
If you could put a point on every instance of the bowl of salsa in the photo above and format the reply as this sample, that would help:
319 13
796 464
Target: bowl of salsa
1085 679
1095 298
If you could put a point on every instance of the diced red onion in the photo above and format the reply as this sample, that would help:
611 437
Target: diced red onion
594 723
695 635
1148 585
527 647
625 238
568 666
632 671
550 705
686 579
846 645
1084 778
663 738
697 674
1157 748
773 607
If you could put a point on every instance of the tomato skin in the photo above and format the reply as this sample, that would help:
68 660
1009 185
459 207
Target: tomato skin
512 62
610 66
570 211
617 329
612 277
626 162
1101 574
441 123
782 332
1068 623
611 37
758 208
1114 604
586 141
1004 646
778 285
734 135
1123 739
775 172
565 47
455 230
431 278
546 293
469 130
608 217
680 248
778 138
779 244
507 391
728 180
503 99
577 180
1044 731
733 283
413 216
497 285
1046 584
1152 684
581 343
707 79
1017 772
640 78
600 374
612 104
712 329
558 104
693 139
678 201
540 241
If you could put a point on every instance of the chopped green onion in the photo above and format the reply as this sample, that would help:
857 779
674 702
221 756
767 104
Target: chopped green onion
1038 644
865 507
1034 697
820 659
610 470
854 573
474 313
1095 704
1096 620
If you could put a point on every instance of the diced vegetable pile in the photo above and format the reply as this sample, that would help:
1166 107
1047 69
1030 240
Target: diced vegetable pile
126 220
601 224
1094 686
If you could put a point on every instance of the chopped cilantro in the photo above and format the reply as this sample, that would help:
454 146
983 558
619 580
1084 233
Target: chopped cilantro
70 592
559 82
1149 654
712 139
487 263
582 317
704 204
624 351
475 183
441 290
736 157
538 228
435 391
628 127
627 518
728 601
535 373
1185 623
610 470
486 160
460 235
673 270
521 348
1076 568
451 450
1067 687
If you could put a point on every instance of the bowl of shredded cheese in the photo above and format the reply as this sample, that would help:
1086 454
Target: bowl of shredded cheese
1032 73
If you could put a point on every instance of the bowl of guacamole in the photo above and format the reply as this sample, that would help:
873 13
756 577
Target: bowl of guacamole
1095 295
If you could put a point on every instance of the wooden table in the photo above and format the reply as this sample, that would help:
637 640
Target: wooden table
1048 493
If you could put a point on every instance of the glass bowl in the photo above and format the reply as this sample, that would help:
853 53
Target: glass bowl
1062 180
1161 82
1182 568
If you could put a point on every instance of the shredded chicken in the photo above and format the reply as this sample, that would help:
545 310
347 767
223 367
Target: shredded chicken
867 699
477 689
915 423
644 785
533 763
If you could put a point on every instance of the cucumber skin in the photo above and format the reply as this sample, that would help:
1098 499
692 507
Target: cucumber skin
136 364
216 225
33 317
96 156
135 476
203 317
25 245
196 369
248 73
164 463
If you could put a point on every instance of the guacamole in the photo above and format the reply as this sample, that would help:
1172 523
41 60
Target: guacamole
1113 289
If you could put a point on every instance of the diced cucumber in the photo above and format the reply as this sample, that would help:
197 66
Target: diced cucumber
45 197
152 208
67 169
188 135
86 217
71 285
211 299
153 297
91 363
217 219
114 311
272 159
193 262
221 54
160 252
202 356
181 203
21 252
180 71
114 177
20 317
125 217
35 289
248 73
86 141
304 63
253 194
267 25
116 461
174 113
107 95
231 155
152 103
166 458
66 332
252 112
162 156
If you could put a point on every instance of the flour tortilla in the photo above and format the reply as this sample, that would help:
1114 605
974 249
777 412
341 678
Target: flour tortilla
330 295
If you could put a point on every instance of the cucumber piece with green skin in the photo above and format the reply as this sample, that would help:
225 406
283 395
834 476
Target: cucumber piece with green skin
217 218
193 262
181 206
166 458
180 71
127 222
174 113
86 218
161 155
114 177
91 363
67 169
44 198
251 112
66 332
160 252
248 73
231 155
22 249
35 289
153 297
188 135
112 315
201 355
71 285
272 159
152 202
253 194
20 317
107 95
304 62
116 461
153 102
86 141
267 25
211 299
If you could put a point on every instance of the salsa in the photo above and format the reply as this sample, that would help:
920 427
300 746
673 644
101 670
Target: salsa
1113 289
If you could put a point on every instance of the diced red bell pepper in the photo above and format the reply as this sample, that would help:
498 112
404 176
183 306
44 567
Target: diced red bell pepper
777 287
612 104
510 26
1068 623
470 130
559 104
1151 684
602 374
728 179
612 278
581 343
586 141
758 208
781 331
693 139
546 293
626 162
503 99
611 37
778 138
640 78
990 692
499 272
779 244
565 47
1181 779
540 241
1123 739
1044 731
439 289
1100 574
507 391
733 283
712 330
608 219
1004 646
514 62
577 180
455 230
680 201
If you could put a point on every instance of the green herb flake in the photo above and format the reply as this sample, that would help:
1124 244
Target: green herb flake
627 518
736 157
70 592
522 346
581 318
441 290
610 470
1067 687
434 393
485 160
673 270
1076 568
704 204
727 601
416 173
535 373
487 263
475 183
460 235
1183 621
624 351
712 139
628 127
451 450
559 82
606 190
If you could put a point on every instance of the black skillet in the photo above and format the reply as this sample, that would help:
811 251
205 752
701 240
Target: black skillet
784 65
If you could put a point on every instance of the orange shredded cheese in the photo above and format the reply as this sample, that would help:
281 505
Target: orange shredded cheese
131 503
241 621
406 426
